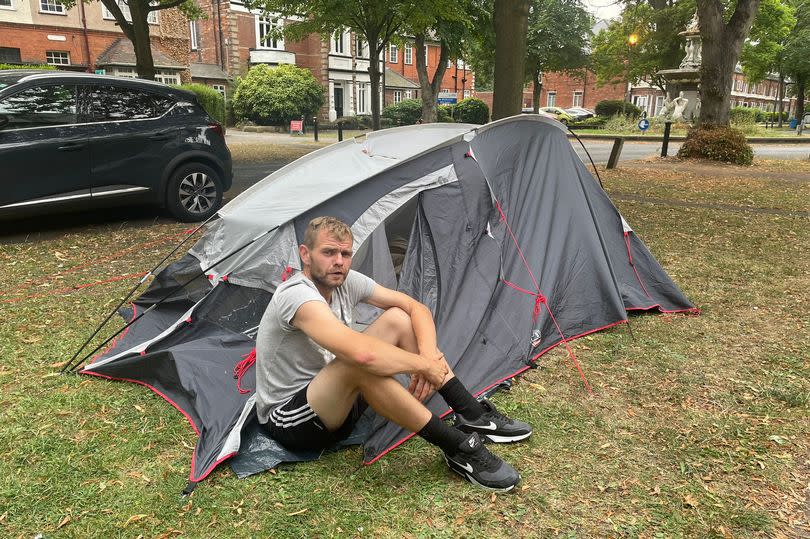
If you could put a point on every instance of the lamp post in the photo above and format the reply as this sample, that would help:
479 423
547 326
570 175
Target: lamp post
632 41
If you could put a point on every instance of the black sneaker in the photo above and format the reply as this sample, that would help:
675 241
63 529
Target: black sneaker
494 426
477 465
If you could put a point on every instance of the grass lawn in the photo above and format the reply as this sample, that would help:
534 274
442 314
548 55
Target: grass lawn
698 426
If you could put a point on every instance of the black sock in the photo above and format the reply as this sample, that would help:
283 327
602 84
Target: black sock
439 433
458 397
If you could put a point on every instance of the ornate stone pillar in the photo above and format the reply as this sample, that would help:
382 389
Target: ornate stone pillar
332 111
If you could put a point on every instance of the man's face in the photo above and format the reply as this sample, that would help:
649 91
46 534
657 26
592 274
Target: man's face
329 260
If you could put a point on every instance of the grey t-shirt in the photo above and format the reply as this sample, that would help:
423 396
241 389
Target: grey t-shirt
286 358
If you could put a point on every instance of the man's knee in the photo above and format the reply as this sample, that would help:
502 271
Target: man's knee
397 318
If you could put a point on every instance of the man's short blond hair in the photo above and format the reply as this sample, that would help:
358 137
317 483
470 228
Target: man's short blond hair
334 227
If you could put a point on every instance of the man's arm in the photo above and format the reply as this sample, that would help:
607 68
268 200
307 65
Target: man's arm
421 318
376 356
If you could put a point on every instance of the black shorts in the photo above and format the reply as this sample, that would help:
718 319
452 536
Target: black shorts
296 426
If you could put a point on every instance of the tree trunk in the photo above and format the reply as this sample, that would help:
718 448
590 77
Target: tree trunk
801 85
144 64
780 95
537 90
430 89
721 49
374 51
510 19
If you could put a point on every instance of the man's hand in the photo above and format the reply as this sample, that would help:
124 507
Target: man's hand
424 383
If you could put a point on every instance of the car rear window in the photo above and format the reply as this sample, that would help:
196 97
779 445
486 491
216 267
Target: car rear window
115 103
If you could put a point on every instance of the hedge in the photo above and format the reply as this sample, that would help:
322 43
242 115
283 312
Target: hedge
5 67
275 95
718 143
211 100
472 111
612 107
406 112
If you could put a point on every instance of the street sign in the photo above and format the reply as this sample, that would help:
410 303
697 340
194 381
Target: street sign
447 98
644 124
297 127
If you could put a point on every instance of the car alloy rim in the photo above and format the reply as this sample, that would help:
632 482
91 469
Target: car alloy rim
198 192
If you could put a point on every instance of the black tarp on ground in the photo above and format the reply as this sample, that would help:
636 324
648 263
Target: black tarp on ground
514 249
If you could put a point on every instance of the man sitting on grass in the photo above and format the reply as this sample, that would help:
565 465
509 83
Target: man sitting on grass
315 375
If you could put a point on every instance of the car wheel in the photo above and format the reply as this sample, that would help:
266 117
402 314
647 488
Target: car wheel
194 192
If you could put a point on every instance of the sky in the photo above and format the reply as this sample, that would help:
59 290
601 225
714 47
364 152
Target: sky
603 9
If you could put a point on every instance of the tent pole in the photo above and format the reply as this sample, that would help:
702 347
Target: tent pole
164 298
598 177
129 295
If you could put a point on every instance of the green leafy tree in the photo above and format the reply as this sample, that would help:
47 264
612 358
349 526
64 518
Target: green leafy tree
449 23
656 26
269 96
763 52
557 39
135 25
378 22
797 55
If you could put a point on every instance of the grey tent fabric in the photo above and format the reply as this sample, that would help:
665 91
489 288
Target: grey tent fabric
499 229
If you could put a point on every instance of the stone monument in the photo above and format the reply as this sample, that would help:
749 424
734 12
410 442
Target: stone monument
682 102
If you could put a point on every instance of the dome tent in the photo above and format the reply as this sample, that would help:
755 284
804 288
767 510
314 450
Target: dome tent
499 229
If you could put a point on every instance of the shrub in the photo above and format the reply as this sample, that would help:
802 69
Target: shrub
612 107
596 122
472 111
209 99
742 115
4 67
406 112
446 113
718 143
275 95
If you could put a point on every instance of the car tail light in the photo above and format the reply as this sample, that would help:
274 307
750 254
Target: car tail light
217 128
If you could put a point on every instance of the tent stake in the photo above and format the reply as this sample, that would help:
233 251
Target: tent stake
164 298
129 295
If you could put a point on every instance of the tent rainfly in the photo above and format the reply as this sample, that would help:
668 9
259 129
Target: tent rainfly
499 229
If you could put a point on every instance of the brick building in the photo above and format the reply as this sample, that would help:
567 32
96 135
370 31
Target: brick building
45 32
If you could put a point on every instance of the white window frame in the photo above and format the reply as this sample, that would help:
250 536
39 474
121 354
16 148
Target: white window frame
659 103
408 94
339 43
106 14
576 98
54 58
407 54
125 72
467 93
361 97
221 88
276 44
426 55
551 99
360 47
167 77
393 54
10 5
51 7
397 96
192 32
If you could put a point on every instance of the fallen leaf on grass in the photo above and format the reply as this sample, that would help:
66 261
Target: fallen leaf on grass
134 518
304 510
3 518
139 408
690 501
778 439
64 522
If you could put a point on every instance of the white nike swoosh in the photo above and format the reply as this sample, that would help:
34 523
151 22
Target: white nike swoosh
491 426
467 467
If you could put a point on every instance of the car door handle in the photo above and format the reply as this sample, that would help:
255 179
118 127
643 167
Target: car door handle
162 135
71 146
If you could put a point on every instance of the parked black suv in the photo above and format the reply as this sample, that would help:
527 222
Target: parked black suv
68 138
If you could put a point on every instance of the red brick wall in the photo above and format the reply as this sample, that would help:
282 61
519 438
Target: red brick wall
449 80
565 85
33 42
